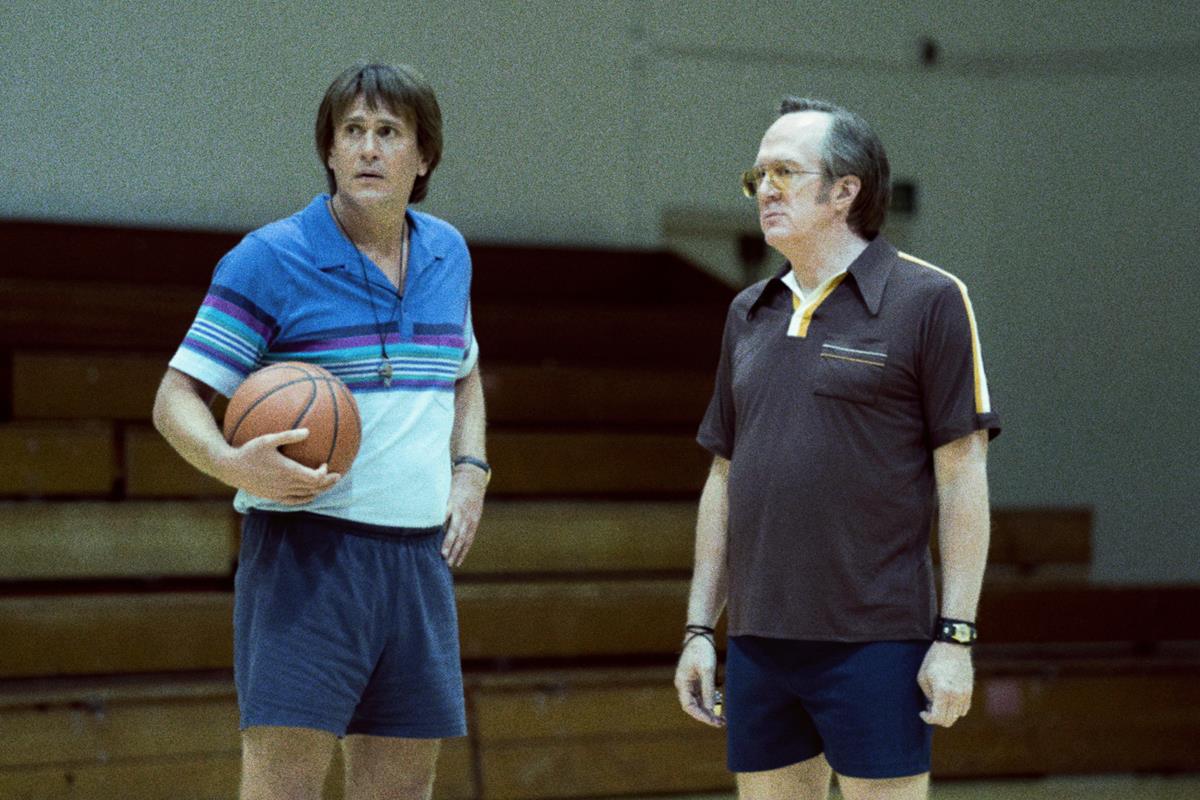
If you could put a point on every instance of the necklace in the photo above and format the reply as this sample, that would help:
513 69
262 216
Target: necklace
385 362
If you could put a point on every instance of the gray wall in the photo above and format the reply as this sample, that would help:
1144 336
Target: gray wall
1054 148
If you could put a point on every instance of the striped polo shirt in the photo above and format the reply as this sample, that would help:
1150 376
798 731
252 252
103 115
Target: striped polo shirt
830 424
296 290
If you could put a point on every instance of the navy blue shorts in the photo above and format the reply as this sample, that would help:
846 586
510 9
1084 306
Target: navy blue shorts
858 703
346 628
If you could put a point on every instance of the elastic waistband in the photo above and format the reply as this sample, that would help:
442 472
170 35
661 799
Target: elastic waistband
349 526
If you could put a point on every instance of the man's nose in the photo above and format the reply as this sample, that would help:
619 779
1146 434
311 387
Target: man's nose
370 144
766 188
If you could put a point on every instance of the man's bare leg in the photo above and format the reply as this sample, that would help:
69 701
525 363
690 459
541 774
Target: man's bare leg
285 763
807 780
386 768
913 787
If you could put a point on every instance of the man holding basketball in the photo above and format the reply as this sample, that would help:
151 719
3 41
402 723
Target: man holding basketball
850 404
344 617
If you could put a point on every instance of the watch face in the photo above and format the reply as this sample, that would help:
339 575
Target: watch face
960 632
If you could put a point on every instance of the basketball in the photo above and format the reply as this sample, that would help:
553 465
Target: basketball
297 395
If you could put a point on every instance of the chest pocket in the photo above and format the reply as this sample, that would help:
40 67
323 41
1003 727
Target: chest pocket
851 369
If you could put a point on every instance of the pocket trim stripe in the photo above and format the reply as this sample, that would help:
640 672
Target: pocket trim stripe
852 350
855 360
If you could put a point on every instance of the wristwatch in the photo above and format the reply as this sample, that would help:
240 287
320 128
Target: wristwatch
955 631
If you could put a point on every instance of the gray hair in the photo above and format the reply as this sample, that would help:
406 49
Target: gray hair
850 147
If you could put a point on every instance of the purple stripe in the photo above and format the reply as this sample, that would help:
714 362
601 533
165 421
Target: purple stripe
238 313
372 340
216 355
377 386
336 344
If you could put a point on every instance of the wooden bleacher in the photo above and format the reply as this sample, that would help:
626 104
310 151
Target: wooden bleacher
144 739
534 618
57 458
590 733
74 385
547 580
51 541
115 601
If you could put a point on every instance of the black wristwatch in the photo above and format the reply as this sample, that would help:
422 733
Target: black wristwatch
955 631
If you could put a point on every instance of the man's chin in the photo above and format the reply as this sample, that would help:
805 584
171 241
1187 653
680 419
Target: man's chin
370 195
775 235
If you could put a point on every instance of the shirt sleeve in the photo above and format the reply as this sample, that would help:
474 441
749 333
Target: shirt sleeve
954 389
471 353
719 426
237 320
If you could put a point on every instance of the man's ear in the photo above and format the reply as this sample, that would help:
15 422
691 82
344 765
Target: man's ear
846 190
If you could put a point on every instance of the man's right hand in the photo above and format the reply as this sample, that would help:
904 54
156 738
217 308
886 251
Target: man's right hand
260 469
695 680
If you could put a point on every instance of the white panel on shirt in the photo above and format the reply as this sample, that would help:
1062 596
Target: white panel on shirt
804 300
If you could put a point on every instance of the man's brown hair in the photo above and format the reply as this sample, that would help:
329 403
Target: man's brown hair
396 87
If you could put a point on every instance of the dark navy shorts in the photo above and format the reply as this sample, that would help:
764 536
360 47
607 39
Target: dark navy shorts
858 703
347 628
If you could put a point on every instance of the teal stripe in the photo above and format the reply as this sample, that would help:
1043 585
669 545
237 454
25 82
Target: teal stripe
450 354
425 351
421 376
233 325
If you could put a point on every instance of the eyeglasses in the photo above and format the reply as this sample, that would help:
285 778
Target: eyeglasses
780 176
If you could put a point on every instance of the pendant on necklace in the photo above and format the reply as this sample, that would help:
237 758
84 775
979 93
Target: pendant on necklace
385 372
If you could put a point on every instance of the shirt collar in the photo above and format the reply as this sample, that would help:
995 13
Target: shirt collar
771 287
334 249
870 272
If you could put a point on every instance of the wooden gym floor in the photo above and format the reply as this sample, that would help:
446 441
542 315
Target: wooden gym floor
1086 787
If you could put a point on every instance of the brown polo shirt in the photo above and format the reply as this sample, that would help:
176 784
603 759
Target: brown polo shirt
830 429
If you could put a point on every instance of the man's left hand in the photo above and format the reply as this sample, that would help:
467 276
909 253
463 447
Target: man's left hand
947 678
467 487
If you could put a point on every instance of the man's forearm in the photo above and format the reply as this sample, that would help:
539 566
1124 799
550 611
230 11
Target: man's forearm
963 523
468 437
183 416
710 578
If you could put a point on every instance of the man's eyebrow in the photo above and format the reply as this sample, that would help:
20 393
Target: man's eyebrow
383 119
777 162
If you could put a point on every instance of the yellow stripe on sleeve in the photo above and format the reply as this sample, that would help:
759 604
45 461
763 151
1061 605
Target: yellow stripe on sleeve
983 401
